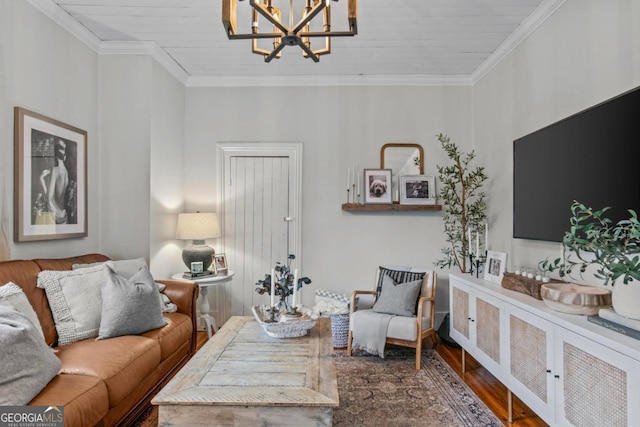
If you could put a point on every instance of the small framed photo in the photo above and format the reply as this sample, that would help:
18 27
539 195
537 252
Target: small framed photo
212 268
377 186
50 178
417 190
495 266
197 267
220 264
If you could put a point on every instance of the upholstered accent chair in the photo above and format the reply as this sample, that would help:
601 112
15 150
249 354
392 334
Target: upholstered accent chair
405 297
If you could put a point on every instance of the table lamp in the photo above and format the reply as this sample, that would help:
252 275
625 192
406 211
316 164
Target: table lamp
197 227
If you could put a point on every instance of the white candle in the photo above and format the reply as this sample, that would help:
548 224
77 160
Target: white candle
477 242
486 236
348 178
469 238
294 303
273 288
354 174
359 179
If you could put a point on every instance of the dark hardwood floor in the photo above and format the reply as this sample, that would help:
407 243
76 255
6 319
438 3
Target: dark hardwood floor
480 381
202 339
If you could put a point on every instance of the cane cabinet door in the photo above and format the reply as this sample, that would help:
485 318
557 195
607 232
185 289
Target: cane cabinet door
489 332
595 385
530 361
461 325
477 324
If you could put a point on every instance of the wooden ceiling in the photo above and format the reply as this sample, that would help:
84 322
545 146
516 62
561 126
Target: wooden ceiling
399 41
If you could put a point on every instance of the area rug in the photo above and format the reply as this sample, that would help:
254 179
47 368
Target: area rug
390 392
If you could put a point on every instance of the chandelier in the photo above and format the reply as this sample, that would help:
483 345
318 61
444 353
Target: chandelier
297 33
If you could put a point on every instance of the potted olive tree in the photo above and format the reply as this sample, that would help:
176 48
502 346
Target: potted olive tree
613 249
464 203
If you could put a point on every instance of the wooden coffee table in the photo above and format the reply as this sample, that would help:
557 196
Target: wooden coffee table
243 377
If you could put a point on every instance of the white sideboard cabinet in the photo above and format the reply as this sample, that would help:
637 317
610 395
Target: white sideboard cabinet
569 371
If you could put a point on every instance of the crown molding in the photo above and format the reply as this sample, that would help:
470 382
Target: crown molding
66 21
145 48
79 31
528 26
327 80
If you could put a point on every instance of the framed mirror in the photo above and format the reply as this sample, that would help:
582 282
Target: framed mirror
402 159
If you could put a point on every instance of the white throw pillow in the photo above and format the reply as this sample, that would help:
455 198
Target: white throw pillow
130 306
28 364
75 300
124 267
13 295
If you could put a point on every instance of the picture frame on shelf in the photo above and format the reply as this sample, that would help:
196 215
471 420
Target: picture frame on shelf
377 186
495 266
417 190
220 264
50 178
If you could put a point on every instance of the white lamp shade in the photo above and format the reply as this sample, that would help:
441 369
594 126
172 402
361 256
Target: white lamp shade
197 226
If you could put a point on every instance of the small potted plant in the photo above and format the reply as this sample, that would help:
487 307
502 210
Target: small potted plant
613 249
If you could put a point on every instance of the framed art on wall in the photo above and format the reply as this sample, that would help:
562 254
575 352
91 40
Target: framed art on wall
417 190
495 266
50 181
377 186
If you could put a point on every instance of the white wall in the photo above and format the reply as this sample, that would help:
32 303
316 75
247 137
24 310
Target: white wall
339 126
587 52
142 128
46 70
166 172
125 96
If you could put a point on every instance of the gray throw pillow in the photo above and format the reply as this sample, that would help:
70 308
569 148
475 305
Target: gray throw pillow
75 300
13 295
398 298
28 364
129 306
398 276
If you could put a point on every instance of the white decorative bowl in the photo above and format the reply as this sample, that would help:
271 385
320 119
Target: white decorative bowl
575 299
284 326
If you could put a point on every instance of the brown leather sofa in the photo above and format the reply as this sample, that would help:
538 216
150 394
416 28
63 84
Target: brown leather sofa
108 382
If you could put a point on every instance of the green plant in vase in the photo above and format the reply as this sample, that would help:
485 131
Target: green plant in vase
464 203
612 248
593 239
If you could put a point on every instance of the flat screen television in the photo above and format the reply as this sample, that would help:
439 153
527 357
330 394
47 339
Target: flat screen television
589 157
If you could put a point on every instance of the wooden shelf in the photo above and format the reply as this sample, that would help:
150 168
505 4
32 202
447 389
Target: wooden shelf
395 207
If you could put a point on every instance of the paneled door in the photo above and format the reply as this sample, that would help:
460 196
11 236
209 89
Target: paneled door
260 216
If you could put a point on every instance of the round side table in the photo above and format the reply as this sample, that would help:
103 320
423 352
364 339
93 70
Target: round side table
203 284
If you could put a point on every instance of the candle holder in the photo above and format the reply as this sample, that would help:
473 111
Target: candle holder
348 191
272 315
476 263
293 312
